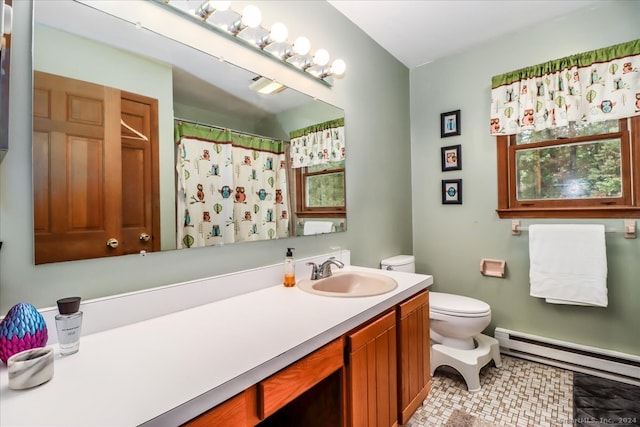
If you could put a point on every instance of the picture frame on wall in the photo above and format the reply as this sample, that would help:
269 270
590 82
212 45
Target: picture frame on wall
452 191
451 157
450 124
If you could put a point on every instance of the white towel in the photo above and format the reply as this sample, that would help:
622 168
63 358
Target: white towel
318 227
568 264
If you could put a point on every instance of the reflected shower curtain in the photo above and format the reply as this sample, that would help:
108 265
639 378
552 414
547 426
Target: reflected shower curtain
231 187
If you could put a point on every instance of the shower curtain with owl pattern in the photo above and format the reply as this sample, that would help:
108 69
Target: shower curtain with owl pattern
231 187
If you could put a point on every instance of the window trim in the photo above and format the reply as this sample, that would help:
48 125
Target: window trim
628 207
302 211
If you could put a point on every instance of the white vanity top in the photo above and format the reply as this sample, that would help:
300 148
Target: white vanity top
167 370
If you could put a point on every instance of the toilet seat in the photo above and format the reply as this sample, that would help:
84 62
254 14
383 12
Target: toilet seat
457 305
455 327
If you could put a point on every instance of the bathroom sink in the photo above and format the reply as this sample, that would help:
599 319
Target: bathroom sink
349 284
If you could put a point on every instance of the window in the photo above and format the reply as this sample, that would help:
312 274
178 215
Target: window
579 171
321 190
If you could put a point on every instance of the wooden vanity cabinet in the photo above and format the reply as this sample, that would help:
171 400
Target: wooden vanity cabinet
372 393
375 375
239 411
414 378
283 387
310 386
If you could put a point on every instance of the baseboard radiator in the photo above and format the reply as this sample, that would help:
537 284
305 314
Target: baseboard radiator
576 357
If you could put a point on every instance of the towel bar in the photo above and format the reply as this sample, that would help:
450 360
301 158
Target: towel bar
629 228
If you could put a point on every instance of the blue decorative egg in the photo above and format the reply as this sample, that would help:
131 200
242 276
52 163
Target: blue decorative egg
23 328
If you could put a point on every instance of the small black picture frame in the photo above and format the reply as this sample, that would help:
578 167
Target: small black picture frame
452 191
451 157
450 124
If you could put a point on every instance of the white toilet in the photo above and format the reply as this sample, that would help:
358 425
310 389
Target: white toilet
454 320
456 324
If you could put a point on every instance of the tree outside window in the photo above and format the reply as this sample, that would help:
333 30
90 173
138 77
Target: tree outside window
578 171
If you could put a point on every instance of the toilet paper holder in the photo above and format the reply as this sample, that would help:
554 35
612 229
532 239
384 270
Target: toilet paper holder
492 267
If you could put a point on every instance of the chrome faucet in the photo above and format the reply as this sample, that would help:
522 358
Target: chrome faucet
323 270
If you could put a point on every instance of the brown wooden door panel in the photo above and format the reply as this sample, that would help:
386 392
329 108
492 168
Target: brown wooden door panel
77 178
85 174
358 404
41 209
133 200
140 176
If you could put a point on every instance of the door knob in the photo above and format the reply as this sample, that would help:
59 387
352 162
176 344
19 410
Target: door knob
112 243
144 237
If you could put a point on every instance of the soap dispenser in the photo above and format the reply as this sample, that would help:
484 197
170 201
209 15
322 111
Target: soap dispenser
289 269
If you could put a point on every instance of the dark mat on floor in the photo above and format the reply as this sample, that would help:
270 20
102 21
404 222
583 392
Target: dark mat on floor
602 402
460 418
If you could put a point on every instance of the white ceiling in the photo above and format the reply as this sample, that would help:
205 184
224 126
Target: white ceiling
421 31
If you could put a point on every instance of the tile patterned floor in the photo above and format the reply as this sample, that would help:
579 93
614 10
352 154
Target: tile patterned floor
519 394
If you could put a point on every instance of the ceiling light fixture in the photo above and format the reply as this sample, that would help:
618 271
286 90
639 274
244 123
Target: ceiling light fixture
273 41
266 86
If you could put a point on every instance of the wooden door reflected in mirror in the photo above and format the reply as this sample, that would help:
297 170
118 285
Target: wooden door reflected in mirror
93 183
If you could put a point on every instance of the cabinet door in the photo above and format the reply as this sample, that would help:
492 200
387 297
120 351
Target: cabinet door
414 350
372 393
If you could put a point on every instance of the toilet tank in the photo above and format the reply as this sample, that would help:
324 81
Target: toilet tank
405 263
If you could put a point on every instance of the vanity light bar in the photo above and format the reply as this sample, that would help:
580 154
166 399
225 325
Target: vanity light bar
275 42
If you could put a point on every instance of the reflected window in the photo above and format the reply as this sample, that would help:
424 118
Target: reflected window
321 190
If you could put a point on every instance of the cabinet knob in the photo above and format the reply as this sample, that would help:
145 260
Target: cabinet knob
112 243
144 237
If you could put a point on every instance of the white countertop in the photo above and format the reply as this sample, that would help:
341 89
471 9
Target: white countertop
167 370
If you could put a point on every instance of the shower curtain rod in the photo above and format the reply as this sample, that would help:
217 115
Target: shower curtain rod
177 119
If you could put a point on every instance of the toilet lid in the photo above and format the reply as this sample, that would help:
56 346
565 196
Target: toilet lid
457 304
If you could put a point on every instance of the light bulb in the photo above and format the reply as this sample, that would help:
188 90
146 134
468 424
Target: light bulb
321 57
301 46
251 16
279 32
338 67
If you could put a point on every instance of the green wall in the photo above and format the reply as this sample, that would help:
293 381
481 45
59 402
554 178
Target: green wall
375 118
450 240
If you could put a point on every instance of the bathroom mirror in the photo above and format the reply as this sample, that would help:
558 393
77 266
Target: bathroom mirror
158 81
